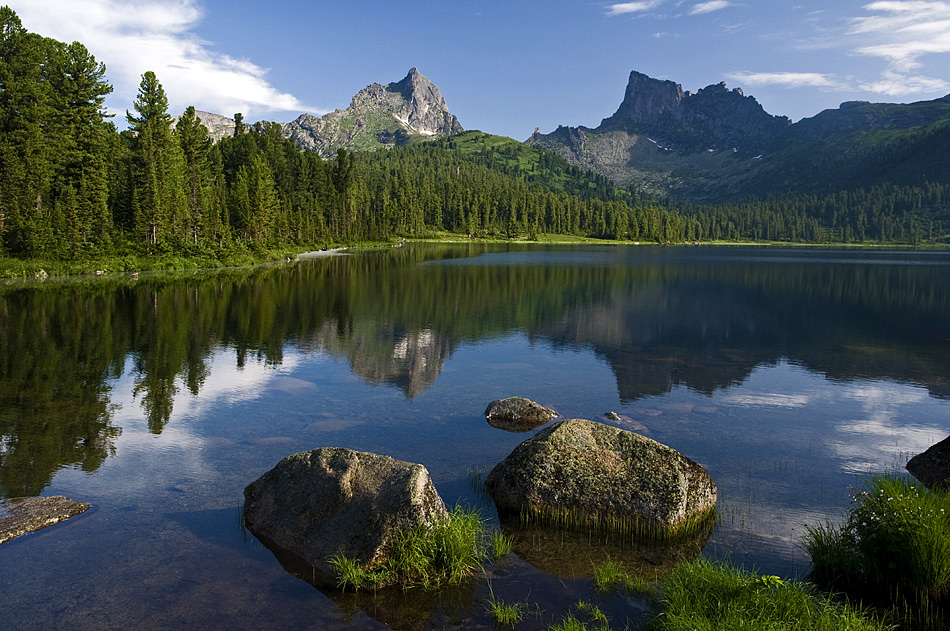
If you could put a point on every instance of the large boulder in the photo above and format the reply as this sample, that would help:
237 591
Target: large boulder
584 474
932 467
328 501
22 515
517 414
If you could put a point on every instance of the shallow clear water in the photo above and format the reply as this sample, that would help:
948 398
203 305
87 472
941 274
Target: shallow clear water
786 373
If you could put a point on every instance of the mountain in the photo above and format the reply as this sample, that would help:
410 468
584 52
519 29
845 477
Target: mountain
378 116
718 144
218 126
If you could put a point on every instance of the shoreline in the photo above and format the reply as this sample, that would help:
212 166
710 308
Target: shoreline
16 272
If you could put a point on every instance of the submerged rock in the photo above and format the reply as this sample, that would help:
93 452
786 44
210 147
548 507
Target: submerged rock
517 414
579 473
328 501
35 513
628 423
932 467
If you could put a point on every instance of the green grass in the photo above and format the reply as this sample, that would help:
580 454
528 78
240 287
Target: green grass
445 552
893 547
501 545
508 614
702 596
583 616
609 575
626 528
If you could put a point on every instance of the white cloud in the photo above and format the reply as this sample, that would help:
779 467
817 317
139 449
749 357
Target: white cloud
895 84
903 32
131 37
709 7
786 79
633 7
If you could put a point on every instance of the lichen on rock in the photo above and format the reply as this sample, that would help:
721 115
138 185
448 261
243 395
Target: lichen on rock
333 501
581 474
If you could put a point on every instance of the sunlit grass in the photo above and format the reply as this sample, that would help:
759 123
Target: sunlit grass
893 546
445 552
501 544
702 596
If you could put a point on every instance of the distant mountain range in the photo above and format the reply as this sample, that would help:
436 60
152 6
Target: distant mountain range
719 144
713 145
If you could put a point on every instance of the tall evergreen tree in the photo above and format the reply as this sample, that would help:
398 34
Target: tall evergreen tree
157 166
203 209
81 135
25 167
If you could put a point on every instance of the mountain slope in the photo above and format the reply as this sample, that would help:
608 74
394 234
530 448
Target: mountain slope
378 116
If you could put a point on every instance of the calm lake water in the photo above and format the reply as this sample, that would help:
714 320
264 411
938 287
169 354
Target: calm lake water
786 373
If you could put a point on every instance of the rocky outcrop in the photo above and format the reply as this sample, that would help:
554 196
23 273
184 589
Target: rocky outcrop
378 116
23 515
712 118
932 467
517 414
584 474
328 501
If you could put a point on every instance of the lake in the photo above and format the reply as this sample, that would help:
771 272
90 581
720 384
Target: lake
787 373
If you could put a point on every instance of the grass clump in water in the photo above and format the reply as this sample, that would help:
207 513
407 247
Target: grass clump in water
610 575
894 545
501 544
445 552
589 618
897 533
507 614
705 596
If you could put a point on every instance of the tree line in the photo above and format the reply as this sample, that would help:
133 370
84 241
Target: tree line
72 185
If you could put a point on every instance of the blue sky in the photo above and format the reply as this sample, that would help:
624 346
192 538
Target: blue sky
506 67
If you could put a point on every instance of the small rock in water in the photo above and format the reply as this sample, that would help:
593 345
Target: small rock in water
517 414
629 423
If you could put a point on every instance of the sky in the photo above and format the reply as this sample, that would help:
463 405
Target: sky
505 66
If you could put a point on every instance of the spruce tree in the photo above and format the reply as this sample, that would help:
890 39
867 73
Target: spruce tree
81 135
158 168
25 167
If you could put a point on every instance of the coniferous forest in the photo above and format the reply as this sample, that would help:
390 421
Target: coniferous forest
75 186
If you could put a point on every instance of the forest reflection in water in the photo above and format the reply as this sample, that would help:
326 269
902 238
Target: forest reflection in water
753 362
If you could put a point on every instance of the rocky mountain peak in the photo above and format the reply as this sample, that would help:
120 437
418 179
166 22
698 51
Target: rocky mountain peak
378 115
713 117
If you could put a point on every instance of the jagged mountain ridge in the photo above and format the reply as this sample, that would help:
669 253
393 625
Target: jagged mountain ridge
714 117
378 116
720 144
